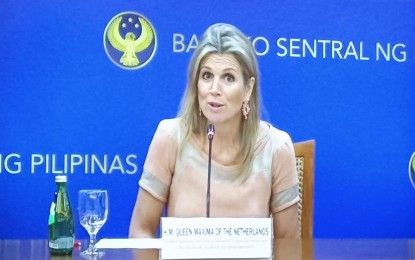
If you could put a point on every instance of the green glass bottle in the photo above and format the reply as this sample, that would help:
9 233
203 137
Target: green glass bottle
61 221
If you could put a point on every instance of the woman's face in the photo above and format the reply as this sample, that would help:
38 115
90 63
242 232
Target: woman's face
221 89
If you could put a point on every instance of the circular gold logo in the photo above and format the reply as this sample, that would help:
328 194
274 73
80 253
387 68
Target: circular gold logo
130 40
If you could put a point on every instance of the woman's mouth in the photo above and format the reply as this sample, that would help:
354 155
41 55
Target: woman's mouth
214 104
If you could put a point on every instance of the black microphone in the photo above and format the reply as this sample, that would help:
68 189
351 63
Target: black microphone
210 134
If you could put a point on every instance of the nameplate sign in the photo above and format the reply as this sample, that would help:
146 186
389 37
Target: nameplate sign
208 238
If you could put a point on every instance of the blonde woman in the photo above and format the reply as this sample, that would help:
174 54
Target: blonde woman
253 171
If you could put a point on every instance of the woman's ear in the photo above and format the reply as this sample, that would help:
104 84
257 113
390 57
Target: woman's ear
250 88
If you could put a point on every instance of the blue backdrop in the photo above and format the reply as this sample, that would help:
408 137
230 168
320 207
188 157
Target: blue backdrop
339 72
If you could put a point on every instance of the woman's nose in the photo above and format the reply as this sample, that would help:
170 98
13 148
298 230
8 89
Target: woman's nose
215 87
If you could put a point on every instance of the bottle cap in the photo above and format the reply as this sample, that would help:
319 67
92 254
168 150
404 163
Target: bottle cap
60 178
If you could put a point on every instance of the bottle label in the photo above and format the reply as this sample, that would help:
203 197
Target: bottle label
52 213
62 243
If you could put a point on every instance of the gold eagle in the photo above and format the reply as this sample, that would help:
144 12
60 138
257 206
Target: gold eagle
129 45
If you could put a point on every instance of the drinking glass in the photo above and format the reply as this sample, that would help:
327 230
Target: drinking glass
93 212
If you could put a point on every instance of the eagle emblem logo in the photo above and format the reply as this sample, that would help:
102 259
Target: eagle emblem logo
130 40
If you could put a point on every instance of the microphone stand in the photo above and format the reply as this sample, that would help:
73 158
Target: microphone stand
210 134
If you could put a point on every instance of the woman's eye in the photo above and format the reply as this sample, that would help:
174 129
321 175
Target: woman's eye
206 75
229 78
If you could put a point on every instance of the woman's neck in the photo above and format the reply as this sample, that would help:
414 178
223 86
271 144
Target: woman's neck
226 144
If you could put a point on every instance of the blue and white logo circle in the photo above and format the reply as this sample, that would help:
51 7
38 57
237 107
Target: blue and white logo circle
130 40
411 169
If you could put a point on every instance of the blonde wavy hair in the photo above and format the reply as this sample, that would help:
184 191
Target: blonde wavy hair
223 39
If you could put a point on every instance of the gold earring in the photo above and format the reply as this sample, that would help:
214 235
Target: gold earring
245 108
200 111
